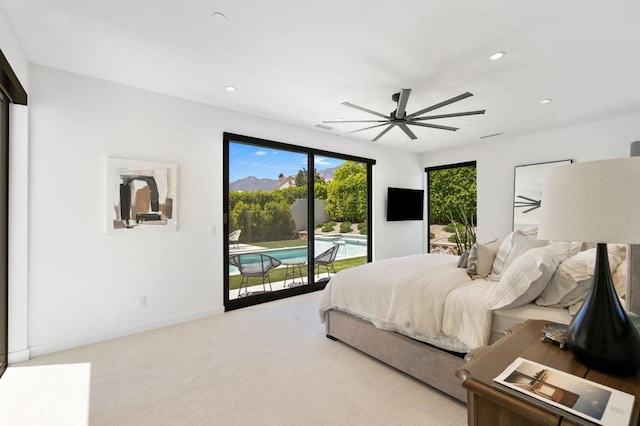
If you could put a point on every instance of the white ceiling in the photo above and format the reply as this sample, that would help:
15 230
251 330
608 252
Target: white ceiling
296 61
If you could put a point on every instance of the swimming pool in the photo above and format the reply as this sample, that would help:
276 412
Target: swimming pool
350 246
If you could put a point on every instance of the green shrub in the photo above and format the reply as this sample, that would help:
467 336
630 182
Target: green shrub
328 227
451 227
363 228
345 227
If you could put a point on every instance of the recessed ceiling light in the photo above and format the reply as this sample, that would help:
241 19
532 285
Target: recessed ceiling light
230 89
219 17
497 55
545 101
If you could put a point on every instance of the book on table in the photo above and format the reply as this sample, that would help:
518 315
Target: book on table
565 394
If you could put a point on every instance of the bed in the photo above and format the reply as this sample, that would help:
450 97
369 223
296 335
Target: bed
423 313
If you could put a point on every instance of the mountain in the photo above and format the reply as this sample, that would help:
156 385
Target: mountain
327 174
252 183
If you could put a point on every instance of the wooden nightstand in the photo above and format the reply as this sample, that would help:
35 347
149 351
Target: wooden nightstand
488 404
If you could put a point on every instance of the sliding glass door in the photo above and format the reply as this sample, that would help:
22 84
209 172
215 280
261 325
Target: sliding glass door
293 216
452 213
341 212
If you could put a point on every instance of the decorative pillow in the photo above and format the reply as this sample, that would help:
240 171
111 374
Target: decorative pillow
481 258
620 282
464 260
472 260
516 243
571 282
620 279
527 276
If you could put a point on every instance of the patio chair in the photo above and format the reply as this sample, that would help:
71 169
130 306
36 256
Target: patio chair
326 259
234 238
254 265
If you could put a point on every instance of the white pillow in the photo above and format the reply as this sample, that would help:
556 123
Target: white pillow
571 282
620 278
528 275
516 243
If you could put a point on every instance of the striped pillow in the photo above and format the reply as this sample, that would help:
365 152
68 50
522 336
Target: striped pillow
516 243
528 275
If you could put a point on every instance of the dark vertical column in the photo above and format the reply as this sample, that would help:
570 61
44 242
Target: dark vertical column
633 272
4 233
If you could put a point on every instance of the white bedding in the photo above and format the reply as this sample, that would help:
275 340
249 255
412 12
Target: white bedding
450 311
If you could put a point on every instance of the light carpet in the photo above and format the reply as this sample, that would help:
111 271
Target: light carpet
269 364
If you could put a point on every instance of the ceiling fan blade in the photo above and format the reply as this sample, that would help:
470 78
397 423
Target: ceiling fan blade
367 128
441 104
402 102
383 132
365 110
434 126
455 114
407 131
356 121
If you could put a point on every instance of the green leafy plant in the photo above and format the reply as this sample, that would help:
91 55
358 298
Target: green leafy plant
464 236
345 227
363 228
328 227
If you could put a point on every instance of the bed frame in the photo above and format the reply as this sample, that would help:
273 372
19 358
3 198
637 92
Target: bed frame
433 366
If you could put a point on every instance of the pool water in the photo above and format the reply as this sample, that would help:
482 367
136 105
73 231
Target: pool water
350 246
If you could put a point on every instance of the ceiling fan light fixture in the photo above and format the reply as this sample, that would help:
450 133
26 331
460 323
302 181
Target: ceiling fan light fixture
399 118
497 55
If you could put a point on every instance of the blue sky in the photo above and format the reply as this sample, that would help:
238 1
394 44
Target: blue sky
264 162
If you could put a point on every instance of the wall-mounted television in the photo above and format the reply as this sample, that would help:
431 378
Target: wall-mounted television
405 204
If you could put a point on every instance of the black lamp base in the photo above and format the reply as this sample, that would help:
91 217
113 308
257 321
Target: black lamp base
601 336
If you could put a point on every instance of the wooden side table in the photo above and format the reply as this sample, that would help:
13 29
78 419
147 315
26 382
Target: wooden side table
488 404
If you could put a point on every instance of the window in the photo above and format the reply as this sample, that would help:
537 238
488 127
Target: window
452 212
294 216
10 91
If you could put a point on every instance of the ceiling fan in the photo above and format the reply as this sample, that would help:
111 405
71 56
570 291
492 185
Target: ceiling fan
400 118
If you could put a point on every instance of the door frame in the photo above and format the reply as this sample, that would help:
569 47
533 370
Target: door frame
231 304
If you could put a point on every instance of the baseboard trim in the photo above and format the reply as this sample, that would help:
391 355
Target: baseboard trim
20 356
48 348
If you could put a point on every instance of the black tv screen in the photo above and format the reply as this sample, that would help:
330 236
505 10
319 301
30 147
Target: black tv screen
405 204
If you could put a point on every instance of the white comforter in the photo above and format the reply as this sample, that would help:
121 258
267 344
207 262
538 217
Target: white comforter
425 296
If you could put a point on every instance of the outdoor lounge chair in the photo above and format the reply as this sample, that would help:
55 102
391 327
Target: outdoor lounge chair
254 265
326 259
234 237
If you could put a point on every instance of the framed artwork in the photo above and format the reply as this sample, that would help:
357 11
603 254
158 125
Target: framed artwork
527 192
141 196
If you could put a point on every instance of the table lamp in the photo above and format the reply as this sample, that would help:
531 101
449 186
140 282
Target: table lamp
597 202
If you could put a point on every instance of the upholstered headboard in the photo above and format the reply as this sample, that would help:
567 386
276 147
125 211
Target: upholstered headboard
633 281
633 254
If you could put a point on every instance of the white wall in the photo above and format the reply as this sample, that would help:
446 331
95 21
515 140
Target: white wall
497 158
83 284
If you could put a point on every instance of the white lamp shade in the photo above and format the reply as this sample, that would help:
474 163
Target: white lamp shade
595 202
